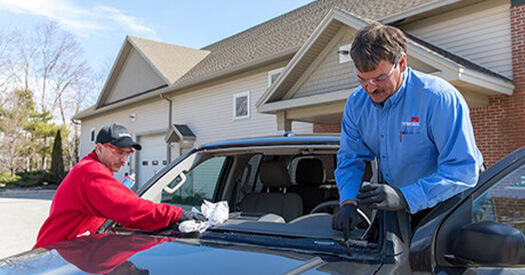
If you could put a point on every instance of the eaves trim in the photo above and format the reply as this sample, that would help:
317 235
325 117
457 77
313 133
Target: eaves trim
94 110
392 18
334 14
252 64
148 60
125 50
274 107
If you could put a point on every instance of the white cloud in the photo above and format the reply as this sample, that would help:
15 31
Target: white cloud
82 21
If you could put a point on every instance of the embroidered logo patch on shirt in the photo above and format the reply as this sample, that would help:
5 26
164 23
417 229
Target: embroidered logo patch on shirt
410 125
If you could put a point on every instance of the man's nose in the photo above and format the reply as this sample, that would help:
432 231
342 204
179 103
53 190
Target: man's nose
370 87
123 159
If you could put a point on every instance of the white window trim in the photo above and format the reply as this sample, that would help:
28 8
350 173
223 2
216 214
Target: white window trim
237 95
94 131
343 58
272 72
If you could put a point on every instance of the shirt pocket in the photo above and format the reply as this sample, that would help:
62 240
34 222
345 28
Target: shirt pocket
414 147
411 125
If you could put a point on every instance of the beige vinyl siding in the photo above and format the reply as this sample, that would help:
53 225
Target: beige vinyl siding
209 111
479 33
150 118
330 75
136 77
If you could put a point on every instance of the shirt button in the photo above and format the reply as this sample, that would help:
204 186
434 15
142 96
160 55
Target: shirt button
382 136
383 157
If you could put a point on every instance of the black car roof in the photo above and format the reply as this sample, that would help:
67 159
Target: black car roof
274 141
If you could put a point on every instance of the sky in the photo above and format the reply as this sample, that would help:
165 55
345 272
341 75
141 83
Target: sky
101 26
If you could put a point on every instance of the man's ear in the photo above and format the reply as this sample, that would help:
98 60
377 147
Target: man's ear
403 63
98 148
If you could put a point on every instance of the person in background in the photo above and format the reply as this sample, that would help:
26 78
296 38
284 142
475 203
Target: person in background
416 125
89 195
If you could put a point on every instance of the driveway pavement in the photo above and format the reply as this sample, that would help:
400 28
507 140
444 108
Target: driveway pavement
22 213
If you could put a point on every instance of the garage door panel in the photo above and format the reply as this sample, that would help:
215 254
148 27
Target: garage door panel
152 157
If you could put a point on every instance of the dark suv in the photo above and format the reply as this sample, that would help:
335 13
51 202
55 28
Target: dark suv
281 193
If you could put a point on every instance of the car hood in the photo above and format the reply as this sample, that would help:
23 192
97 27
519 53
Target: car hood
142 254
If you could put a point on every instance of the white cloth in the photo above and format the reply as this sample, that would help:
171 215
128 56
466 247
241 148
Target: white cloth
216 213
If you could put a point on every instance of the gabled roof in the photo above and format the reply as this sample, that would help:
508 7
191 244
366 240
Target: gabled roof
179 132
450 66
283 35
272 41
169 62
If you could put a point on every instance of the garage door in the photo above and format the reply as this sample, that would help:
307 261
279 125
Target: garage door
152 157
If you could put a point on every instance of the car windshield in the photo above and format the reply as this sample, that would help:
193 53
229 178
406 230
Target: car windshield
277 190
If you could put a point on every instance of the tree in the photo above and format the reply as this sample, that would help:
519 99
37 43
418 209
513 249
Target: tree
13 118
57 160
49 63
42 130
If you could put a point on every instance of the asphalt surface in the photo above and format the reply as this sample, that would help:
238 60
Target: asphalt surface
22 212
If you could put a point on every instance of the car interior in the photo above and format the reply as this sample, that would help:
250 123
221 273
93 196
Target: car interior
273 190
290 192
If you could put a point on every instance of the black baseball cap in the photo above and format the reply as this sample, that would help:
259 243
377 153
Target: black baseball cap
118 136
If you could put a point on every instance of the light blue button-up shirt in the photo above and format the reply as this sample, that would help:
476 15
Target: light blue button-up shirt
422 136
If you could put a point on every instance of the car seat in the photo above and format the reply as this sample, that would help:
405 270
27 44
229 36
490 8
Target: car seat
274 197
309 176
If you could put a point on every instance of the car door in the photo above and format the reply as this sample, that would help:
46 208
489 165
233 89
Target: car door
484 232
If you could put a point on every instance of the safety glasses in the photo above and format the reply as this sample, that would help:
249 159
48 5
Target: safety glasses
118 151
378 80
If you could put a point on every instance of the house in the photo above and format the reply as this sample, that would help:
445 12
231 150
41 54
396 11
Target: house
288 74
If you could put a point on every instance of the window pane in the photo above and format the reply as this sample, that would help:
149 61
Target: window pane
504 202
241 106
200 185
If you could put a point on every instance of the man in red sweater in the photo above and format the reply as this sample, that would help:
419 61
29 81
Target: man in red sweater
89 195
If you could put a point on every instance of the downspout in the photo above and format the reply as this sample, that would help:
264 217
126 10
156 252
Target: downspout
77 148
168 149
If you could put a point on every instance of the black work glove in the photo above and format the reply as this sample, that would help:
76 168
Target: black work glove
382 197
188 215
345 219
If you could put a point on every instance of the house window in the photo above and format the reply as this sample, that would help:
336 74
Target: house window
241 105
92 135
273 75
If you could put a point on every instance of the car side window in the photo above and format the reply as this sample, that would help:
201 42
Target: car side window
503 202
200 185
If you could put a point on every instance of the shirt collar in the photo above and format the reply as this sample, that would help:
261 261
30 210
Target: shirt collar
401 91
93 154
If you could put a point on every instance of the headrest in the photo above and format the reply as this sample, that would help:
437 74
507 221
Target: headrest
274 174
309 172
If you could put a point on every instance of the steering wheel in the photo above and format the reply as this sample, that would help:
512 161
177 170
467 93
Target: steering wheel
331 207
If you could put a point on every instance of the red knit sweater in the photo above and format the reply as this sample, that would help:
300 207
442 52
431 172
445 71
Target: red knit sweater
89 195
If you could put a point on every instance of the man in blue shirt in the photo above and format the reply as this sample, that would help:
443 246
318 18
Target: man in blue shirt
416 125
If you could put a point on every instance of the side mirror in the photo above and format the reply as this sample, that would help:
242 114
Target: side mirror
489 243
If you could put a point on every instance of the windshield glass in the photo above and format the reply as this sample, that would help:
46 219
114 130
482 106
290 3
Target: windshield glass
200 184
272 191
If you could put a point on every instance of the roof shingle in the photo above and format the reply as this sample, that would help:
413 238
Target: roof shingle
287 31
